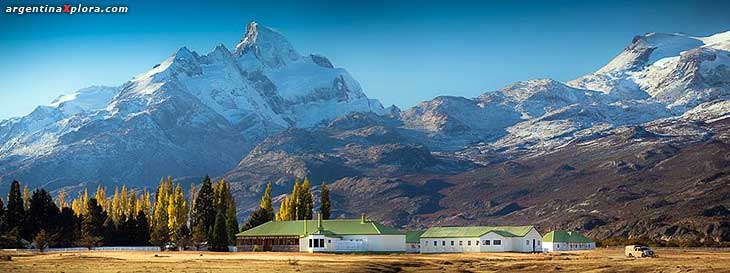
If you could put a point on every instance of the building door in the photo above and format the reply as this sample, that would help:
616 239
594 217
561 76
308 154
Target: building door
533 245
268 244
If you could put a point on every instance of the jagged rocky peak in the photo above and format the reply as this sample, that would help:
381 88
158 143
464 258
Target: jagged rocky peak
182 61
321 61
185 54
267 45
220 52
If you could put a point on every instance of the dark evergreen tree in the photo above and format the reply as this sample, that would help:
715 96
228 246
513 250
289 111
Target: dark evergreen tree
204 210
258 217
130 229
69 228
42 213
324 207
229 210
92 226
93 218
160 237
42 240
219 236
142 230
182 238
231 227
3 227
110 232
123 231
12 239
198 236
15 214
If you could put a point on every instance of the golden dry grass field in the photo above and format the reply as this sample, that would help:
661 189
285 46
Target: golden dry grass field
602 260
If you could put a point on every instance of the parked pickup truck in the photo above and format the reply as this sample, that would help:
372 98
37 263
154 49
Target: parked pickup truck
638 251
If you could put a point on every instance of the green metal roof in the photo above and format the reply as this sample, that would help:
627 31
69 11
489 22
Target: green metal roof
325 233
335 227
414 236
565 237
465 232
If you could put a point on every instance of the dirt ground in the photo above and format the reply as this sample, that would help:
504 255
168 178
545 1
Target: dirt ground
602 260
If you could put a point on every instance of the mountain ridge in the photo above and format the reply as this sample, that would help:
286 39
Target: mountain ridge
232 101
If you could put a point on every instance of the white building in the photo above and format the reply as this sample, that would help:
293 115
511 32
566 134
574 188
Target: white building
341 235
481 239
560 240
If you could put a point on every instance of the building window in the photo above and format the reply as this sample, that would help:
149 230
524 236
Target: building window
435 243
527 242
486 242
497 242
316 243
468 243
538 242
443 243
477 241
461 243
329 241
452 243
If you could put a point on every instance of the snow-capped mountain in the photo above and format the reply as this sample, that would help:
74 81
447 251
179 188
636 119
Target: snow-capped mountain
189 115
657 76
678 70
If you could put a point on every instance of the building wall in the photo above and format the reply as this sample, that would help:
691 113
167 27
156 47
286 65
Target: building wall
304 244
382 243
524 244
356 243
508 244
459 245
466 244
563 246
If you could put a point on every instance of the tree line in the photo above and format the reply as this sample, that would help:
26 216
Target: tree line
298 205
207 216
128 217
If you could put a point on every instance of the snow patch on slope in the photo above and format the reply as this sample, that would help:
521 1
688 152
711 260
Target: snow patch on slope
85 100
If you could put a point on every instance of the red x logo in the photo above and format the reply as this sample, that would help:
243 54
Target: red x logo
67 8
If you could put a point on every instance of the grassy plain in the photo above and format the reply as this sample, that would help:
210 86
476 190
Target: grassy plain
601 260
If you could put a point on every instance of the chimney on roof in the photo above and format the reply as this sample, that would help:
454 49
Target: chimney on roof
305 227
319 221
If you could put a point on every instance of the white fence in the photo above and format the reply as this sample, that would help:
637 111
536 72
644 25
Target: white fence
101 248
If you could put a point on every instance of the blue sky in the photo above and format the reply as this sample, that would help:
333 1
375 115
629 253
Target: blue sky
402 52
